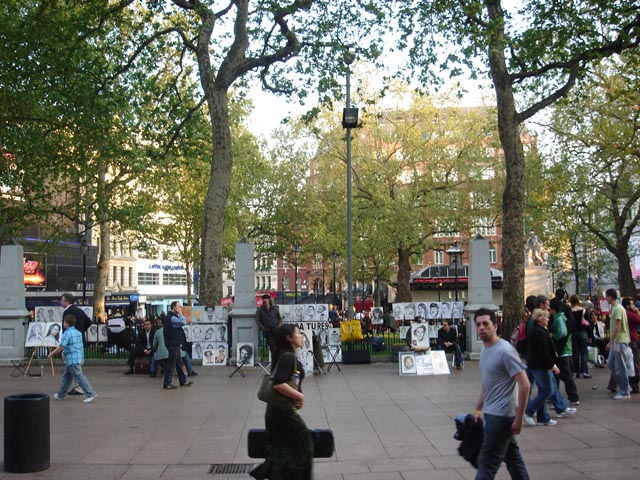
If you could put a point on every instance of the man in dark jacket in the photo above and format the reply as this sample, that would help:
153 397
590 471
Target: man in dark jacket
269 319
448 341
172 333
143 347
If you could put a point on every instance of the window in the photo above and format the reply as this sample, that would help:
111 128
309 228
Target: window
485 227
174 279
122 276
229 291
269 283
148 278
318 262
131 276
438 257
115 275
493 255
488 173
418 259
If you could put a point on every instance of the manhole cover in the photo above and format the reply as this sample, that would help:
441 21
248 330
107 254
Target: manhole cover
231 468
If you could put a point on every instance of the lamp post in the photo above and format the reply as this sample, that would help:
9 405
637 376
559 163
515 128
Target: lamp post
349 121
296 252
85 249
334 257
439 284
455 254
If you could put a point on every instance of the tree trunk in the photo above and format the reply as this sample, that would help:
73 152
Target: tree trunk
575 263
513 196
625 278
216 199
102 273
404 272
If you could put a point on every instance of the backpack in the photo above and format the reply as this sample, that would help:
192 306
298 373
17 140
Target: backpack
521 339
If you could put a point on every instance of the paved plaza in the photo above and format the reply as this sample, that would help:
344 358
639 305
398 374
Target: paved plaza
386 427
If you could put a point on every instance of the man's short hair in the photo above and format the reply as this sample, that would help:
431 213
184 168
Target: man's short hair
531 302
626 302
266 296
611 293
68 297
542 300
173 304
70 319
485 311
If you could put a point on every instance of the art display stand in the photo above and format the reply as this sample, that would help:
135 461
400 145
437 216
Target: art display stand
431 362
33 354
239 369
333 357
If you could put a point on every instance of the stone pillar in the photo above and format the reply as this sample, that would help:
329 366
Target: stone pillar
480 292
13 314
245 328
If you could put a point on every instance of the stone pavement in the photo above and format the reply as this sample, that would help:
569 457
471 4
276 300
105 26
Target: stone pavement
386 427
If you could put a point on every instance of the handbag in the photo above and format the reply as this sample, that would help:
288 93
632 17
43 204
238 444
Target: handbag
267 394
350 330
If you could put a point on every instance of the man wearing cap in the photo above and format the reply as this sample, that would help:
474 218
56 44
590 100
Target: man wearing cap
269 319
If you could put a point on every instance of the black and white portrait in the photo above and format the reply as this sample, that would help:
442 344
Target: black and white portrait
52 337
376 315
35 334
398 311
457 310
197 333
220 333
407 363
88 311
286 313
103 333
419 337
208 358
222 313
209 314
305 352
196 351
403 332
322 312
40 313
187 332
439 360
92 333
409 311
298 313
334 336
422 310
434 311
309 313
245 354
209 333
445 310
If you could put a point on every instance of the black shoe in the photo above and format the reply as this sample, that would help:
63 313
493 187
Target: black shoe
186 384
612 390
169 387
152 375
75 391
193 373
635 390
129 372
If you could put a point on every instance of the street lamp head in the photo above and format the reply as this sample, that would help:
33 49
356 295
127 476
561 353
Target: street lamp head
84 246
349 56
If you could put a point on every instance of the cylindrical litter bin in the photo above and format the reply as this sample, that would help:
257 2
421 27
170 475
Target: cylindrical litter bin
27 442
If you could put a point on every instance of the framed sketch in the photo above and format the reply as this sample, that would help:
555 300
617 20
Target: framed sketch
92 333
403 332
323 335
88 311
424 364
221 332
419 337
457 310
221 313
35 334
376 315
103 332
422 310
310 313
440 364
220 354
298 313
322 312
197 314
196 350
187 332
334 336
604 305
398 311
409 311
209 332
245 354
207 358
434 311
39 314
286 313
53 333
209 315
197 333
407 361
445 310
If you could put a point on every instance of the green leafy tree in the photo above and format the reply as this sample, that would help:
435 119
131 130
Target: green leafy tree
533 52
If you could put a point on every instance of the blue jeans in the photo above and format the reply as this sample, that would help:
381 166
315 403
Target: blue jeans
457 353
187 362
74 372
174 361
618 366
537 406
498 445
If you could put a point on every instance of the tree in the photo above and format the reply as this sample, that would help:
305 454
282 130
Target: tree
533 53
256 37
598 132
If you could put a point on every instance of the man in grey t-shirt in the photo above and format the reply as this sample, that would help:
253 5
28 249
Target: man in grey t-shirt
501 369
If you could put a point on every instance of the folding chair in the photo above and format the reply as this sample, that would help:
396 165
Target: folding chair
239 369
333 357
19 368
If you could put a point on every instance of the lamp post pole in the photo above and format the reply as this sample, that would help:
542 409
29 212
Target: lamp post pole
85 249
455 253
296 252
334 257
349 122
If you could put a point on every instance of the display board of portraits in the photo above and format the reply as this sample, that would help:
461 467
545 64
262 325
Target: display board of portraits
43 334
310 312
428 310
207 332
433 362
48 314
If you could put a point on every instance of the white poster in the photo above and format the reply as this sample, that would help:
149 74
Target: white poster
445 310
305 353
410 311
197 333
286 312
310 313
398 311
440 365
35 334
334 336
403 332
376 315
103 333
52 336
322 312
424 364
92 333
331 353
421 310
298 313
419 337
88 311
458 310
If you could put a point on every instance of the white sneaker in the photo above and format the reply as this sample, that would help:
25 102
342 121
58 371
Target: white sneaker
90 399
622 397
550 423
530 420
57 397
568 412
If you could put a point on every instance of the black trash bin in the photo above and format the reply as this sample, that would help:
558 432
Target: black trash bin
27 442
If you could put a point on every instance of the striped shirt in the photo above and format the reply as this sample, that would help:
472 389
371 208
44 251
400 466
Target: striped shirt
73 348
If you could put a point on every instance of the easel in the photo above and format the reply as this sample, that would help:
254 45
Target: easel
333 356
265 365
33 354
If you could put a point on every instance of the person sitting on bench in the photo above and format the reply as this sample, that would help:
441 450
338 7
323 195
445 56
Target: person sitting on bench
143 347
448 341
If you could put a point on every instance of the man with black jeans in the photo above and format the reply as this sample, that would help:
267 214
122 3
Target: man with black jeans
269 319
142 348
501 370
448 341
172 332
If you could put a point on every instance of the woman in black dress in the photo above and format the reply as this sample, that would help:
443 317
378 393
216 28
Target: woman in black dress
289 451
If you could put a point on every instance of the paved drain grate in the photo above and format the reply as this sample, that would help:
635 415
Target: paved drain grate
231 468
